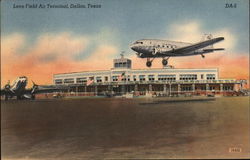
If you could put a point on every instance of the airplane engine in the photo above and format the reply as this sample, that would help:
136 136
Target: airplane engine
155 51
139 54
7 87
34 88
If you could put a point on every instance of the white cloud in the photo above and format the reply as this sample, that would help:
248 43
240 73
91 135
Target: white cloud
105 36
230 39
193 32
186 32
60 45
52 53
12 44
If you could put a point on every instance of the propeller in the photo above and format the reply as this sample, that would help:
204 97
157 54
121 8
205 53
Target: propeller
34 87
139 54
7 86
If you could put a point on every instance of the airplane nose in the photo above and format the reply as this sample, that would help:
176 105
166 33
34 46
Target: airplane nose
133 47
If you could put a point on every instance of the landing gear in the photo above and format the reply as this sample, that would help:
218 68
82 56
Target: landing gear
165 61
6 97
202 56
33 97
149 62
19 97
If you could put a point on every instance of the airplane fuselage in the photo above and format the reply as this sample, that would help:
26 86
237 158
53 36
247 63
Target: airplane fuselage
161 48
153 48
19 85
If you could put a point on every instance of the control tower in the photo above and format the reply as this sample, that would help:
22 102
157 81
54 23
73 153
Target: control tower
122 63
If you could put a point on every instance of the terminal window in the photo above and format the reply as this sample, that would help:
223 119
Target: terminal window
106 78
211 88
188 77
166 77
210 76
128 78
116 65
227 88
58 81
142 77
203 88
151 77
98 79
134 77
81 80
186 88
122 64
114 78
70 80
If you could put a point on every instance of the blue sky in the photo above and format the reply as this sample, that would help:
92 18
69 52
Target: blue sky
127 20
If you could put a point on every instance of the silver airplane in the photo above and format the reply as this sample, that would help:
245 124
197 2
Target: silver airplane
18 89
153 48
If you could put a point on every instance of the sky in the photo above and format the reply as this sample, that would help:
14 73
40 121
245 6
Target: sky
40 42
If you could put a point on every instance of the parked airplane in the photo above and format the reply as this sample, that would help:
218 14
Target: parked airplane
152 48
19 90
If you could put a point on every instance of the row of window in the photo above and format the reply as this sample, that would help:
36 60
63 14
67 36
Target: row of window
166 46
203 88
163 45
122 64
140 78
210 76
188 77
186 88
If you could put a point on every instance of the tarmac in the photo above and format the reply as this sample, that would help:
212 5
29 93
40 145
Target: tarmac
118 128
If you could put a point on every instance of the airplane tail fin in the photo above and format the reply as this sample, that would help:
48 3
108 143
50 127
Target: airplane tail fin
206 37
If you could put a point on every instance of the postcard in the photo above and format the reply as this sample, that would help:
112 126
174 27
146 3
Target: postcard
124 79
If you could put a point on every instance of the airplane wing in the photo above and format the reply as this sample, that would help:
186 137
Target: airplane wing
3 91
45 89
6 91
198 46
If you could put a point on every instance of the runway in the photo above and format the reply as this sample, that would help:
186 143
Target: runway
113 128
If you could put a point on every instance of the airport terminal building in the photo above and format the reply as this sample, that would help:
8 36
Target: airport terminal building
167 81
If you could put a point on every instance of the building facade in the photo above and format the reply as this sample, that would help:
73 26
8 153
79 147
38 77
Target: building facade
168 80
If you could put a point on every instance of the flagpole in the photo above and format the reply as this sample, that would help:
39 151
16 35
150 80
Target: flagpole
126 82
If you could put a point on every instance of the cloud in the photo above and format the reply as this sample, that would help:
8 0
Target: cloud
58 46
186 32
10 45
192 31
49 54
101 58
230 40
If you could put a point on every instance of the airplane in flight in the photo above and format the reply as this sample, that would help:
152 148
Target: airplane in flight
153 48
18 89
